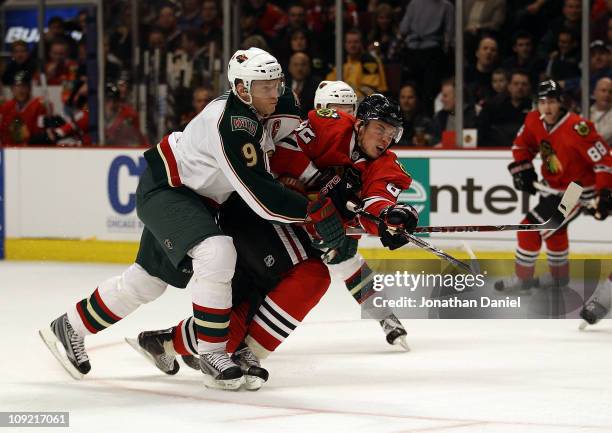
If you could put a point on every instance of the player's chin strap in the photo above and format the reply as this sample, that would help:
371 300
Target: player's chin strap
415 240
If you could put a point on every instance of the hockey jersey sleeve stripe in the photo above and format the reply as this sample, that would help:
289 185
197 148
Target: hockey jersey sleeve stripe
170 165
602 169
371 200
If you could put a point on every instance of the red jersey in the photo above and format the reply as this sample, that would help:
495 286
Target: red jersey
18 124
572 150
328 139
74 131
271 20
123 129
59 73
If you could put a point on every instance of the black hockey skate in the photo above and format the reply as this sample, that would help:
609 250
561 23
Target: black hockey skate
220 371
592 313
157 347
74 357
191 361
394 331
254 374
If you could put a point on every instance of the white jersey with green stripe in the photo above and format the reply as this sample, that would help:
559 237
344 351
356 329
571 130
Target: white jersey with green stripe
224 149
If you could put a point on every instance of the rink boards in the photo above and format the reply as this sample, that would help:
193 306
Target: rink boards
79 204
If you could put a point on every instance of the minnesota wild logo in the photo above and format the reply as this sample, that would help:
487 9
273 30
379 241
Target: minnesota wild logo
550 158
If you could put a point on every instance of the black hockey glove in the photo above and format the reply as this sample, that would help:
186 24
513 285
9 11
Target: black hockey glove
523 175
341 188
397 218
604 204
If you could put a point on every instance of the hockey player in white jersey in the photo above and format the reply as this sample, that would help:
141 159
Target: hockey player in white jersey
222 150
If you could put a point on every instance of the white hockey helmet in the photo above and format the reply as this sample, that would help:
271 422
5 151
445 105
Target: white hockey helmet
253 64
335 92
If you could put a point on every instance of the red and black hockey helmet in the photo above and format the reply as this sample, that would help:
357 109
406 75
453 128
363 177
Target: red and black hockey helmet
549 89
379 107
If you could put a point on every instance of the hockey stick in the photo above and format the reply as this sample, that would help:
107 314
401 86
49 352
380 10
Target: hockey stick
589 206
417 241
568 202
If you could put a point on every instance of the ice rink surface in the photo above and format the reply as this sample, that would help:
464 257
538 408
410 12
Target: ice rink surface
335 374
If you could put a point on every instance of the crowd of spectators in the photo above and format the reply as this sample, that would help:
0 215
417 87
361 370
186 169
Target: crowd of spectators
403 48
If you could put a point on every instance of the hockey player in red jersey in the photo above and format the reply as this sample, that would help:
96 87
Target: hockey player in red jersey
22 117
571 150
379 192
122 124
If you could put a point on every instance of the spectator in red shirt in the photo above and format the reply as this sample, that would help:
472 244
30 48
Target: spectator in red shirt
122 123
270 18
23 116
60 68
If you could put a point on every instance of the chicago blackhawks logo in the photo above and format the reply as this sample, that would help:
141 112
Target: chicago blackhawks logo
582 129
552 163
19 131
328 113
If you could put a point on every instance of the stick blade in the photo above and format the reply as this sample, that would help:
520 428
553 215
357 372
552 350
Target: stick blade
570 198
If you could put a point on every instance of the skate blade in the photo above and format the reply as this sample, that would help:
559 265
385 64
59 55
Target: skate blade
401 341
134 343
583 325
51 341
226 385
253 383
